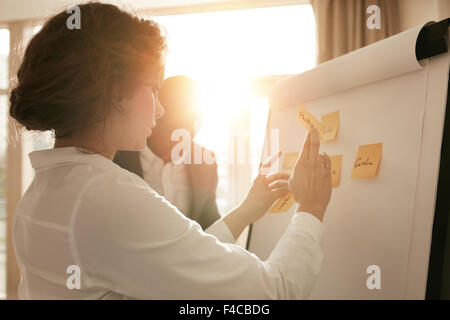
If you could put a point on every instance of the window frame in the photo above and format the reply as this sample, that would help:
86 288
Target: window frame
4 91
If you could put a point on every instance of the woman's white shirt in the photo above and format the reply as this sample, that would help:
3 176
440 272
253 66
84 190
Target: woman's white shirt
83 212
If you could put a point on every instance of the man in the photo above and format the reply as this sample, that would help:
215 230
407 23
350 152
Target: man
190 186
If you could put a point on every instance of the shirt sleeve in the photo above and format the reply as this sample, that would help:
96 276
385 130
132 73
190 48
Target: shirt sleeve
132 241
220 230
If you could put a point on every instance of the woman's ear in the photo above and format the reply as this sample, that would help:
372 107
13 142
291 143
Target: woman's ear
117 97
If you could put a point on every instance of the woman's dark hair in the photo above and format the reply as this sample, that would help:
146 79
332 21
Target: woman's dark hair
70 78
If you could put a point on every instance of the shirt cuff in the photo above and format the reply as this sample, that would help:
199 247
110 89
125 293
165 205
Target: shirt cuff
310 225
220 230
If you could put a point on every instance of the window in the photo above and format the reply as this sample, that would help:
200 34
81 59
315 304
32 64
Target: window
33 140
4 55
227 51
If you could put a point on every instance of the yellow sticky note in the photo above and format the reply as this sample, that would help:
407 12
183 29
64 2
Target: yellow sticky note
290 159
283 204
330 126
336 164
367 161
307 120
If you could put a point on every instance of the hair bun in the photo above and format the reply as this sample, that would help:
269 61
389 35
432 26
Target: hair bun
14 100
20 111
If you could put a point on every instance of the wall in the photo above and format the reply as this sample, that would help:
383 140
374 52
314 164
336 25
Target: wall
415 12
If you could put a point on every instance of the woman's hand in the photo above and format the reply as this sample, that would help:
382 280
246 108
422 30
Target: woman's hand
263 193
311 181
265 190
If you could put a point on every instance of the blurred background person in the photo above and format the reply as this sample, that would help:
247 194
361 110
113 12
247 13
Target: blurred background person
190 186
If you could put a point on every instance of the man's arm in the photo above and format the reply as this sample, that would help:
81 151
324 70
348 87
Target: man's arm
204 180
129 160
210 212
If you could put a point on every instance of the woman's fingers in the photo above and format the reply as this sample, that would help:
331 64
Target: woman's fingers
279 184
270 161
327 160
310 148
314 145
304 154
278 193
277 176
321 161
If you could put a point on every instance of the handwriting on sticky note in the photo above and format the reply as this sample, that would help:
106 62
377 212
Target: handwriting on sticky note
336 164
307 120
283 204
367 161
290 159
330 126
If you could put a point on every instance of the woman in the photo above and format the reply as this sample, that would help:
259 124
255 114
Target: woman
97 88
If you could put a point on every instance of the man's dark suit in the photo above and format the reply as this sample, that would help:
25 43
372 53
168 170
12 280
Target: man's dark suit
202 178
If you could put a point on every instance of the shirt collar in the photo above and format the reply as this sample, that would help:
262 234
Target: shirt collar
51 157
